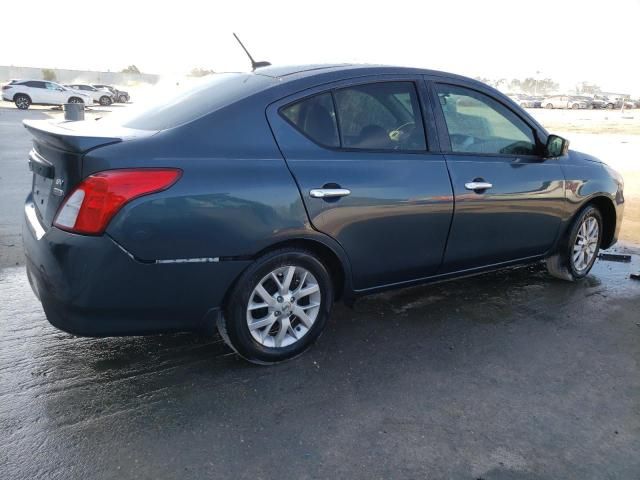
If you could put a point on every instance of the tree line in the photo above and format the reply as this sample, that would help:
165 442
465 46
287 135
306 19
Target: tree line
534 86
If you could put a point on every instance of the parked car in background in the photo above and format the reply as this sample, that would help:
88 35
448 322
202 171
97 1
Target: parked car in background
597 103
628 104
25 93
563 101
607 102
120 96
102 96
358 179
525 101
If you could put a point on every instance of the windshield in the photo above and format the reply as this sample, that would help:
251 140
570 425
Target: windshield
183 105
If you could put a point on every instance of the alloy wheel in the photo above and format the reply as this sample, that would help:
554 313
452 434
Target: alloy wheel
22 103
283 306
586 244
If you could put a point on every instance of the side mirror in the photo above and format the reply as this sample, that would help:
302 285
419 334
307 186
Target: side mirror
556 146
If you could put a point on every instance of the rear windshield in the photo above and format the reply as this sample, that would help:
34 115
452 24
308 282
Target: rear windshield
187 104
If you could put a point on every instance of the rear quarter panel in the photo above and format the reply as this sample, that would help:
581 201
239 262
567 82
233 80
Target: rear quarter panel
235 197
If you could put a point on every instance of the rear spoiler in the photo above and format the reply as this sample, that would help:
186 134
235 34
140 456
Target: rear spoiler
79 137
71 140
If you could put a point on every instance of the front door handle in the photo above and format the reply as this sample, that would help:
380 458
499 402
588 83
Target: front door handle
329 192
478 185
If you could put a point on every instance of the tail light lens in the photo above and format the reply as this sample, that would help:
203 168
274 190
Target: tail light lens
93 203
6 87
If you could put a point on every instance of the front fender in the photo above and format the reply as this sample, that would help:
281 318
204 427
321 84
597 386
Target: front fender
587 179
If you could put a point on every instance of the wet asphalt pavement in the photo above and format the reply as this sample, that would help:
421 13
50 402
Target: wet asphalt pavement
510 375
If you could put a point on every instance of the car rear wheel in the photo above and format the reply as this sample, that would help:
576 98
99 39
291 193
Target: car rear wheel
75 100
575 106
105 101
122 99
22 101
278 307
548 106
579 249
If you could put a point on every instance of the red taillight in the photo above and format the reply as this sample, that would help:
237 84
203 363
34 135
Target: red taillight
6 87
93 203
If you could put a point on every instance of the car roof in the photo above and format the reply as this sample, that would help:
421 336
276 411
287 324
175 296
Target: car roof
290 72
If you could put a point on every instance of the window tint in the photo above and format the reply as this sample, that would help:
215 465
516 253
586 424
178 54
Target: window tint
51 86
383 115
316 118
479 124
34 84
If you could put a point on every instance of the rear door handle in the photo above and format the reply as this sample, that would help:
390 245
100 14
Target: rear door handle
329 192
478 185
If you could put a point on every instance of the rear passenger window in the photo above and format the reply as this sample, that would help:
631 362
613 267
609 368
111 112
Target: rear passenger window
380 116
316 118
479 124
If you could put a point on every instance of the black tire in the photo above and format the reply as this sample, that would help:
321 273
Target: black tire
122 99
610 106
549 106
75 100
575 106
22 101
232 323
105 101
561 264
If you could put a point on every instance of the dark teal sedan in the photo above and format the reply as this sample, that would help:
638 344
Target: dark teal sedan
254 201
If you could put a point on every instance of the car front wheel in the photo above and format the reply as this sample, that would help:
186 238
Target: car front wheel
278 307
579 249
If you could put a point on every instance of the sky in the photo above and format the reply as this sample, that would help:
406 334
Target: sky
569 41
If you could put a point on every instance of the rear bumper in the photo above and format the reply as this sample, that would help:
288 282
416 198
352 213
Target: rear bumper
90 286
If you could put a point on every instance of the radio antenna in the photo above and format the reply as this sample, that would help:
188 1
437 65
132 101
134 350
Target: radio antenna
254 64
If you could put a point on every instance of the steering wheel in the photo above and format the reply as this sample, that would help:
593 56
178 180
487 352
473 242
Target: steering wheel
401 132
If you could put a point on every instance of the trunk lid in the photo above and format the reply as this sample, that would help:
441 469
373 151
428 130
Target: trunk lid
57 154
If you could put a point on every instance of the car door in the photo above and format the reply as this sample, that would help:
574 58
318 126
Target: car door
92 92
508 198
37 91
54 94
367 175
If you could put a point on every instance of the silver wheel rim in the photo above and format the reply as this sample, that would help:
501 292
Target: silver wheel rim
283 306
586 244
22 102
75 100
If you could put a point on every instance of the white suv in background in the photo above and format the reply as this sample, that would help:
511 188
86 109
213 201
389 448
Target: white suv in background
25 93
99 95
